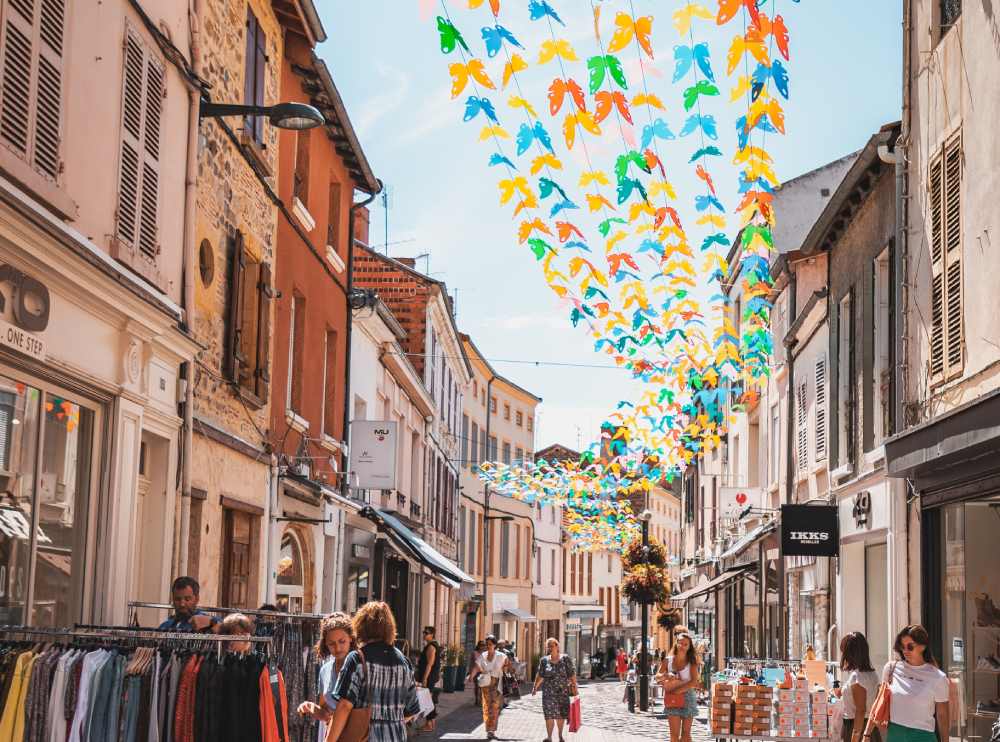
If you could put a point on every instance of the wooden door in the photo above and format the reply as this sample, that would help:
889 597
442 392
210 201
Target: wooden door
237 550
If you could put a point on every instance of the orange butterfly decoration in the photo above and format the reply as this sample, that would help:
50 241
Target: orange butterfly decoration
653 161
703 174
606 100
728 9
596 202
764 27
626 29
527 227
663 212
741 46
566 230
557 93
460 74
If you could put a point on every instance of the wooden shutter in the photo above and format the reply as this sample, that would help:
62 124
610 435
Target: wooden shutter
253 75
945 197
233 361
802 446
31 82
262 370
136 231
821 408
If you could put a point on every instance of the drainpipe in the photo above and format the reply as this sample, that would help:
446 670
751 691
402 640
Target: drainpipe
271 538
189 262
486 508
345 474
789 463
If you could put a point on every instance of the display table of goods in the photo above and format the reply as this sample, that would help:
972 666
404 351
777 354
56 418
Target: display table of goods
748 710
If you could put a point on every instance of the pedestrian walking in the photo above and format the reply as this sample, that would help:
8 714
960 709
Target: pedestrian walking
428 674
859 689
376 676
473 670
621 665
336 641
918 691
557 679
490 667
683 675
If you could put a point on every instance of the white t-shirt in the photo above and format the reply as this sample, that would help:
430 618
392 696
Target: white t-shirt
867 679
493 668
915 690
684 674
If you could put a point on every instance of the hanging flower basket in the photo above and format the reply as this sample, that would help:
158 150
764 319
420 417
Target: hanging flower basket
645 584
668 618
635 554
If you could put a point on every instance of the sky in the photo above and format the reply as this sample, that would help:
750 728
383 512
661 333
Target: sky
845 72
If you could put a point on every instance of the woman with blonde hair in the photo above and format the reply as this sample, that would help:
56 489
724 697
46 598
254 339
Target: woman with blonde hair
237 624
682 674
375 676
336 640
557 679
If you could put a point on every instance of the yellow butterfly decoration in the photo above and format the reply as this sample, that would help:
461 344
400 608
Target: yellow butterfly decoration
651 100
593 176
614 239
584 119
639 208
596 202
526 228
545 160
670 230
552 48
626 29
644 227
740 47
517 101
747 213
714 219
550 273
675 266
461 72
714 260
759 169
514 65
488 132
743 84
528 202
751 154
661 186
509 186
680 248
683 17
494 5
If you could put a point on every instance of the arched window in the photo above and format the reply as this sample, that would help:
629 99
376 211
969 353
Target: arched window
291 583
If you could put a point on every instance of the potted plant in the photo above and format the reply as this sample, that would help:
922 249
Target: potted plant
450 669
461 668
645 584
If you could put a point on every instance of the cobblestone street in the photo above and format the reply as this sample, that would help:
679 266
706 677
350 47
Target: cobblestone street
605 719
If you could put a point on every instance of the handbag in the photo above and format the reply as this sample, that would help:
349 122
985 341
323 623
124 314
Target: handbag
879 715
360 719
575 717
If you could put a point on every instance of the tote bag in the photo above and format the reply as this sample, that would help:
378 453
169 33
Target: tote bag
879 715
574 720
359 721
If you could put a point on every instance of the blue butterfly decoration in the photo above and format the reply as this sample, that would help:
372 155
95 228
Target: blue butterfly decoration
498 159
763 73
546 186
709 151
540 9
715 239
626 186
494 38
526 135
621 275
573 244
474 105
706 123
651 246
562 206
701 203
686 56
743 135
593 291
656 130
757 184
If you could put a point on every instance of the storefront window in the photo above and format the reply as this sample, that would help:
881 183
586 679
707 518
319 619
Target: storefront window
357 587
291 585
61 430
807 621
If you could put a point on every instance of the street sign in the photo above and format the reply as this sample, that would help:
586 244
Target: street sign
373 454
810 530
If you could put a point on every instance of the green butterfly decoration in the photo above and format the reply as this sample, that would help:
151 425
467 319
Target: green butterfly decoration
605 227
450 36
538 247
600 66
752 229
702 87
636 158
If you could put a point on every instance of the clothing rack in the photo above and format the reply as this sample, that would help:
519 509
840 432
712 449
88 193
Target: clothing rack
133 604
104 632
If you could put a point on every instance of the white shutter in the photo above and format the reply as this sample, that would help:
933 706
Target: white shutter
821 408
801 442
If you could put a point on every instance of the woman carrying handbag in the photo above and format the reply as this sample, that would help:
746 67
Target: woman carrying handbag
913 696
682 676
557 679
375 692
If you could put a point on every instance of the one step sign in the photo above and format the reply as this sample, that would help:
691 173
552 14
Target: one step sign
373 454
810 530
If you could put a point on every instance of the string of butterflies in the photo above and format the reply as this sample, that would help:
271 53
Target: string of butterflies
639 301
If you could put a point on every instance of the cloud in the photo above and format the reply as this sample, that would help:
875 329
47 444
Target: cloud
390 98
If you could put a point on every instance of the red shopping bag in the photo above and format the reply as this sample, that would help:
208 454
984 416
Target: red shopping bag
574 714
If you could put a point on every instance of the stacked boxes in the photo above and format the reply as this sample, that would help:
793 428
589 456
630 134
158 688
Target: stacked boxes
802 713
819 722
752 711
721 711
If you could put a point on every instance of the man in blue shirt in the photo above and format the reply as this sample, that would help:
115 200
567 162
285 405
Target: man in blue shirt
187 617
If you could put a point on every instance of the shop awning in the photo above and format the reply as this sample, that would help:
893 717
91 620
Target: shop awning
749 538
519 614
714 584
585 611
412 545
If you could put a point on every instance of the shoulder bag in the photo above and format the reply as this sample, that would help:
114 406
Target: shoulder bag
879 715
360 719
673 700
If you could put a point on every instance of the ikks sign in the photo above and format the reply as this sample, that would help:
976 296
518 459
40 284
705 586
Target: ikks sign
810 530
29 308
373 455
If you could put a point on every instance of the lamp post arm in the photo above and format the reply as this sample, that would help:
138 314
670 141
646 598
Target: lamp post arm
214 110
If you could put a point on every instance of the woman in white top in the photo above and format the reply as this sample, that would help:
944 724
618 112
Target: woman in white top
336 641
919 691
683 675
860 687
489 672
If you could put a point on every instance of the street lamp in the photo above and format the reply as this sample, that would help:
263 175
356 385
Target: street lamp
644 517
281 115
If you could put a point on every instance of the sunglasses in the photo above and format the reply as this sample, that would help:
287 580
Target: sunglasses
908 647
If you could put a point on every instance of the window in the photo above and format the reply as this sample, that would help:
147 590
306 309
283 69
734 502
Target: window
506 453
605 603
484 452
882 344
465 439
519 419
572 574
951 10
801 432
946 262
475 389
31 84
517 552
461 535
531 424
136 241
775 443
519 456
504 548
506 411
300 177
527 553
493 405
240 538
538 565
472 541
248 331
296 353
198 498
845 379
552 513
590 573
333 217
474 456
820 408
331 383
552 562
493 449
291 575
481 530
254 70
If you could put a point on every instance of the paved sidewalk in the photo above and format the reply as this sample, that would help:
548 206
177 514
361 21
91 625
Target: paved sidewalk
605 719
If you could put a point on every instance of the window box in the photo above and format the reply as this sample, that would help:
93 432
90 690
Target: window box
332 444
841 473
302 214
334 259
43 189
296 421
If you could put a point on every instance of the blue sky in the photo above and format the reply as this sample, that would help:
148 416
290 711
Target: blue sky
845 71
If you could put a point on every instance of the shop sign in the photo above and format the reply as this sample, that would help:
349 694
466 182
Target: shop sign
360 551
810 530
29 310
572 624
373 454
734 500
862 509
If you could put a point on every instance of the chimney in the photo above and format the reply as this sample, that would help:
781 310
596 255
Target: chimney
361 225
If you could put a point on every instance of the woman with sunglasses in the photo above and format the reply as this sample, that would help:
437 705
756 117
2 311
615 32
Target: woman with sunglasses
683 675
918 691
